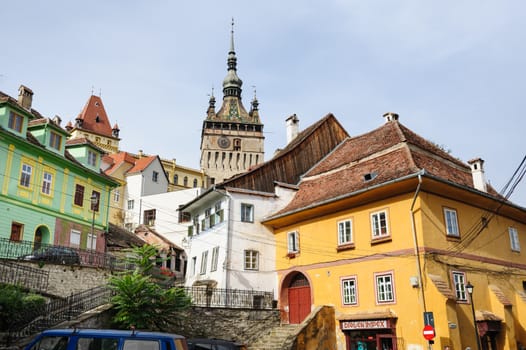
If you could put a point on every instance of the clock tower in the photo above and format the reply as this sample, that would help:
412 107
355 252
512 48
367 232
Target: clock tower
232 139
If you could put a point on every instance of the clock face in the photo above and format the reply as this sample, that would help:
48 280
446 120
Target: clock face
223 142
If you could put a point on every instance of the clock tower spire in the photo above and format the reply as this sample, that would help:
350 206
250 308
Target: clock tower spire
232 139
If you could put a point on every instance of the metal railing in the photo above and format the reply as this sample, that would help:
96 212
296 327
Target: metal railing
24 276
58 310
230 298
25 250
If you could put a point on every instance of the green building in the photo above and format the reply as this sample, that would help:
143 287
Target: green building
51 190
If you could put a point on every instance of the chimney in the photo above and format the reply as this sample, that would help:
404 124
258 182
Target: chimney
141 153
293 127
390 116
477 171
25 97
57 120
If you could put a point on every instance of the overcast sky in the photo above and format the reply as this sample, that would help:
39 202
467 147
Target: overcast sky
453 70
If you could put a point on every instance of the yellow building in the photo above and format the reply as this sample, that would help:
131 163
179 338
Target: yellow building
389 230
181 177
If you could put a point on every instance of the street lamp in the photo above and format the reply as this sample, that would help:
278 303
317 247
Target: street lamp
94 201
469 288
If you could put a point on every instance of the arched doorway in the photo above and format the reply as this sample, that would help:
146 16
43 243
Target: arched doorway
41 235
299 297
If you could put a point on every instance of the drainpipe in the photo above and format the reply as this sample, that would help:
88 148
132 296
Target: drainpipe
415 239
228 238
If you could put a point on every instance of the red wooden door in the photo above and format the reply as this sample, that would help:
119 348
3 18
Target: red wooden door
299 304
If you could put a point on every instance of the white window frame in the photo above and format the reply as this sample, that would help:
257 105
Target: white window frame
247 212
251 259
293 245
385 289
204 262
215 258
25 176
131 204
345 235
91 242
459 285
47 181
377 229
451 222
349 288
514 239
92 158
74 238
116 195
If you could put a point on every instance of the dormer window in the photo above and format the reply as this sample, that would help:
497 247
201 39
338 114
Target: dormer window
15 122
92 158
55 140
370 176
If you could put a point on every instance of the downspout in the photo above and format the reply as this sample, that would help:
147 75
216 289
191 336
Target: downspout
228 238
415 239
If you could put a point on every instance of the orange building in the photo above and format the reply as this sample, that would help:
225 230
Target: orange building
392 231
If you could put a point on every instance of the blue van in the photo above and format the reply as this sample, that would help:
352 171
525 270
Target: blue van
106 339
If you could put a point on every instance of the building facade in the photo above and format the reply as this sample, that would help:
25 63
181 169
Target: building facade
232 139
393 231
52 190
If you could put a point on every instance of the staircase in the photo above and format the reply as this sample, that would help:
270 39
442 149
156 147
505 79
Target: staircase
279 338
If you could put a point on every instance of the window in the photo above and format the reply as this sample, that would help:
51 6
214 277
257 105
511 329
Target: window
16 231
47 179
116 195
379 224
149 217
185 181
459 283
237 144
92 241
450 216
92 158
384 288
155 176
25 176
293 242
196 224
204 258
195 183
247 212
215 258
74 238
251 260
192 267
206 221
15 122
349 291
218 212
514 239
79 195
176 179
345 232
130 204
55 140
95 204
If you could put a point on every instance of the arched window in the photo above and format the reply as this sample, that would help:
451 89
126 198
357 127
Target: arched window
176 179
185 181
195 183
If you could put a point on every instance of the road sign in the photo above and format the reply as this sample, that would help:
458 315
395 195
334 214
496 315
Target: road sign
429 332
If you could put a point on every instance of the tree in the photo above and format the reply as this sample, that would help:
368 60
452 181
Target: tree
140 299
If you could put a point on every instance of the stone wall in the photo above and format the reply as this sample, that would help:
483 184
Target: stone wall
319 332
242 325
65 280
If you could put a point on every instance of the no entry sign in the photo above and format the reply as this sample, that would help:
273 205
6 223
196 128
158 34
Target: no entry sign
428 332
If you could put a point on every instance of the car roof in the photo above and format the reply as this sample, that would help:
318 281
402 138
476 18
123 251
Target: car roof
211 341
108 333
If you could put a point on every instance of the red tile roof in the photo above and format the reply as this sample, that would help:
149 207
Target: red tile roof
388 153
94 117
116 159
141 164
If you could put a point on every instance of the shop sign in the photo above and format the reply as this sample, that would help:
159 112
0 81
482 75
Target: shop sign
365 324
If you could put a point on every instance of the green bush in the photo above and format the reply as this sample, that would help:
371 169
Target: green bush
16 304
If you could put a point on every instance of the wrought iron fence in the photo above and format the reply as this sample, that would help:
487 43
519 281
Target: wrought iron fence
24 276
58 310
230 298
27 250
